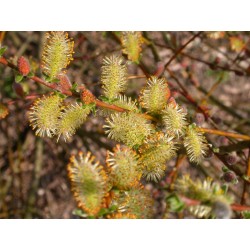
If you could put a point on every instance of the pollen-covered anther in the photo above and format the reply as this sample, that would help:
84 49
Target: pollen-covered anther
23 66
154 97
123 167
113 76
57 53
88 180
44 113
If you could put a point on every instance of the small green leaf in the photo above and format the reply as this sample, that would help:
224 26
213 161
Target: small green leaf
74 87
216 150
246 178
46 78
30 74
18 78
92 106
80 213
225 169
105 99
60 95
102 212
55 80
174 203
246 214
224 188
2 50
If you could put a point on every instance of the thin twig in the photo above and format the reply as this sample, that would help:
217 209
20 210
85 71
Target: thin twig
181 48
119 109
246 184
224 133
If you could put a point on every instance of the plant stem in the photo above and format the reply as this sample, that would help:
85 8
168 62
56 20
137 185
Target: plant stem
181 48
246 184
119 109
224 133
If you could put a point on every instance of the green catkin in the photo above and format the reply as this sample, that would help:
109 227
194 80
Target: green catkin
174 119
128 127
154 153
71 119
43 115
154 97
57 53
131 43
89 182
137 201
113 76
195 143
123 167
215 202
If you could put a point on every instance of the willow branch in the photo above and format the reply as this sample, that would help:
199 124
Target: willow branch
246 184
181 49
224 133
192 202
112 106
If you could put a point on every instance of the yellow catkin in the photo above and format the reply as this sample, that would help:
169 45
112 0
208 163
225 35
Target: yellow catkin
131 43
195 143
154 153
113 76
88 181
57 53
123 167
71 118
128 127
44 114
154 97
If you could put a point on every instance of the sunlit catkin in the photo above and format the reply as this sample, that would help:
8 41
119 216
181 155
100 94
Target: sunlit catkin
57 53
123 167
113 76
137 201
154 153
43 115
88 181
174 119
131 43
71 118
195 143
127 127
154 97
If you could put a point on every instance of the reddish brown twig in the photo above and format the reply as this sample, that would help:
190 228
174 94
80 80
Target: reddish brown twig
181 48
192 202
173 174
114 107
246 184
224 133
